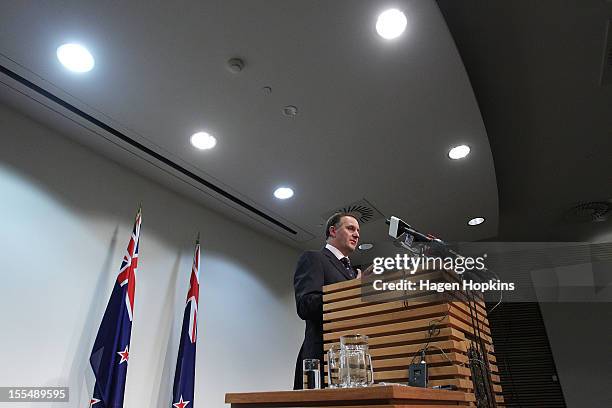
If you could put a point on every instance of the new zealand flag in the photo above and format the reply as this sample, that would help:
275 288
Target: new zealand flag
111 350
184 376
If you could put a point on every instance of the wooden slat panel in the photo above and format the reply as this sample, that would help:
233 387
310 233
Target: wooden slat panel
403 362
462 311
399 329
376 297
405 315
467 328
358 302
422 335
341 295
464 315
418 337
414 348
349 284
449 370
360 288
433 275
346 304
466 309
373 309
458 382
432 372
393 328
366 284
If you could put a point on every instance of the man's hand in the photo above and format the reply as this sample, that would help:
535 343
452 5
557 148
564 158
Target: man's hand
368 271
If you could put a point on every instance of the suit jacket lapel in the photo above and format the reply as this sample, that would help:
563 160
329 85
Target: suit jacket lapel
336 262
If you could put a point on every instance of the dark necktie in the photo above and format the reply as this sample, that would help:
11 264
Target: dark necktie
347 264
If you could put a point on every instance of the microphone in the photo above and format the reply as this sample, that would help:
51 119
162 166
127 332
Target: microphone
398 227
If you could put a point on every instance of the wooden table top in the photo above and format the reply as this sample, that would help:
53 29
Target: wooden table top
375 395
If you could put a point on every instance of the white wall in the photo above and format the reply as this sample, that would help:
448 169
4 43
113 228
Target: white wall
66 216
580 339
580 334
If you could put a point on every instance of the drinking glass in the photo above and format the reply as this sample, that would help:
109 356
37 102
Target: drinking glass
334 367
311 374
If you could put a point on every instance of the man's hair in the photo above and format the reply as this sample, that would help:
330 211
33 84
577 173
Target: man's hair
335 220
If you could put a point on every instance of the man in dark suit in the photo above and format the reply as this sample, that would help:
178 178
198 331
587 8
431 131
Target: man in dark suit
315 269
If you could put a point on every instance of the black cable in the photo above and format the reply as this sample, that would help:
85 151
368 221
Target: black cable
482 352
449 360
432 331
480 349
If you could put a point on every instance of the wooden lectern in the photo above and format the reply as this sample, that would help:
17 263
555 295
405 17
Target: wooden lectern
445 329
449 324
390 396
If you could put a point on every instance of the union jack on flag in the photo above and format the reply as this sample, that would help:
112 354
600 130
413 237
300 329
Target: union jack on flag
110 353
184 376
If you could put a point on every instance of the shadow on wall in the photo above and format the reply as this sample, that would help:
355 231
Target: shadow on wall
167 341
89 185
90 191
81 385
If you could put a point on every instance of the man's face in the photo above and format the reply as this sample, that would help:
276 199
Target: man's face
346 236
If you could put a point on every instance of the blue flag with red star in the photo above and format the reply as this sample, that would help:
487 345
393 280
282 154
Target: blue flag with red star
111 350
184 376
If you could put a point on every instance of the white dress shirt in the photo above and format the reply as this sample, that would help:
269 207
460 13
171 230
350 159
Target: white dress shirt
335 251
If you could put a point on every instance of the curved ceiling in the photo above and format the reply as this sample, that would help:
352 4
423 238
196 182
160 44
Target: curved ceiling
375 118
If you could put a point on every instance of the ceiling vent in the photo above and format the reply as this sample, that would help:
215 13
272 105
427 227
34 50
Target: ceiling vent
590 212
290 111
235 65
362 210
606 71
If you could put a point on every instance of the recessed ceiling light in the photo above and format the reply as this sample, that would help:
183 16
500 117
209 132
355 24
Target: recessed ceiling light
203 141
459 152
365 246
75 57
476 221
391 24
283 193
